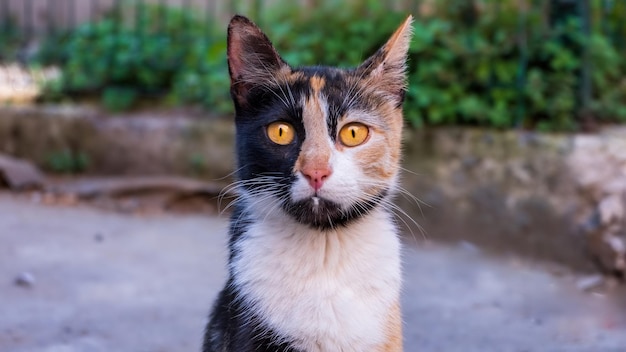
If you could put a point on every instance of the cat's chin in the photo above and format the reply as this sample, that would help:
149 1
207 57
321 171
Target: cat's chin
317 212
324 214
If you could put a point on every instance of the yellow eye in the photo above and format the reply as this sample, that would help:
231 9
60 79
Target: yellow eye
353 134
280 133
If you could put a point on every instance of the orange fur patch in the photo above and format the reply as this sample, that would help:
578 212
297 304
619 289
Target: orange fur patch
393 331
317 83
374 164
315 151
380 159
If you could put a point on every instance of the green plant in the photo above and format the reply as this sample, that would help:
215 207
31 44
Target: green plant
118 99
336 33
10 35
496 63
503 68
67 161
168 51
609 81
197 163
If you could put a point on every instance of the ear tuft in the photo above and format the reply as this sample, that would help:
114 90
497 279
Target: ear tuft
386 68
252 59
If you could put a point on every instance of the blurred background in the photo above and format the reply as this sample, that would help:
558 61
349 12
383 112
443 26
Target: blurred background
116 143
548 65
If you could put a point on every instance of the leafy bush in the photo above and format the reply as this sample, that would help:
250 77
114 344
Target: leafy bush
506 70
336 33
167 51
485 63
476 73
9 41
67 161
480 62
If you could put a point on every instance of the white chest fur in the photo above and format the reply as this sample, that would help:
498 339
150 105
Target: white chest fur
327 291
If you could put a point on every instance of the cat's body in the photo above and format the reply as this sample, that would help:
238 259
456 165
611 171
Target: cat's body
314 254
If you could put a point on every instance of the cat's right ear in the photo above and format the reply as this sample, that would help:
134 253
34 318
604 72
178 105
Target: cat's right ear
385 71
252 59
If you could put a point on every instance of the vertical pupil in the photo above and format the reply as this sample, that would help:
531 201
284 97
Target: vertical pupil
280 131
353 130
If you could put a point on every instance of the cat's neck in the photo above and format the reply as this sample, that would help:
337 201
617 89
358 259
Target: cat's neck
326 289
280 231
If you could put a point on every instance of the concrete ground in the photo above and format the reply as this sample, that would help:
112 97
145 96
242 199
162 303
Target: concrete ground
83 279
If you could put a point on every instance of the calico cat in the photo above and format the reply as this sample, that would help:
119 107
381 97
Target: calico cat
314 253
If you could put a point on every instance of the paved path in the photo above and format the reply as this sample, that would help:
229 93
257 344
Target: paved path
114 282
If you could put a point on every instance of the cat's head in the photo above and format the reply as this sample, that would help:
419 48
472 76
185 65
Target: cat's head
318 143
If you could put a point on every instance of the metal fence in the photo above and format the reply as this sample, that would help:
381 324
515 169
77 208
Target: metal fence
34 18
40 16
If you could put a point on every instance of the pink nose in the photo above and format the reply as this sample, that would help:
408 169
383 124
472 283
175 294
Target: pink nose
316 176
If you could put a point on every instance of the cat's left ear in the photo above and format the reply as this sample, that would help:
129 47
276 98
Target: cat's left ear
252 59
385 71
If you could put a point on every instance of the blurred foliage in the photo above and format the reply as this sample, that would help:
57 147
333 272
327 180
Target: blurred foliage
67 161
336 33
498 63
197 163
492 63
166 51
9 40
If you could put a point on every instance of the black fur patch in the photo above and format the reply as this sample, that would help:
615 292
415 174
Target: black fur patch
233 328
328 215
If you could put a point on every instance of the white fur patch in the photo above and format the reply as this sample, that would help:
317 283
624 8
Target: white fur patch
324 290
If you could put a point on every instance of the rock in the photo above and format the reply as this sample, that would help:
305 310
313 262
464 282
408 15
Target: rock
20 174
611 209
520 173
609 249
589 283
25 279
616 186
88 188
469 247
470 161
139 194
592 224
98 237
617 245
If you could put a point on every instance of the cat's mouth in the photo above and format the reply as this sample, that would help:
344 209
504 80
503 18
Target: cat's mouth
323 213
316 202
317 212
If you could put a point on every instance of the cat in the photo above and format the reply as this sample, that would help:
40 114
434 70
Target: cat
314 259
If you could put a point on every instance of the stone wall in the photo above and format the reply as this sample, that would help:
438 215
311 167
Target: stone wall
555 197
598 165
147 144
559 197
